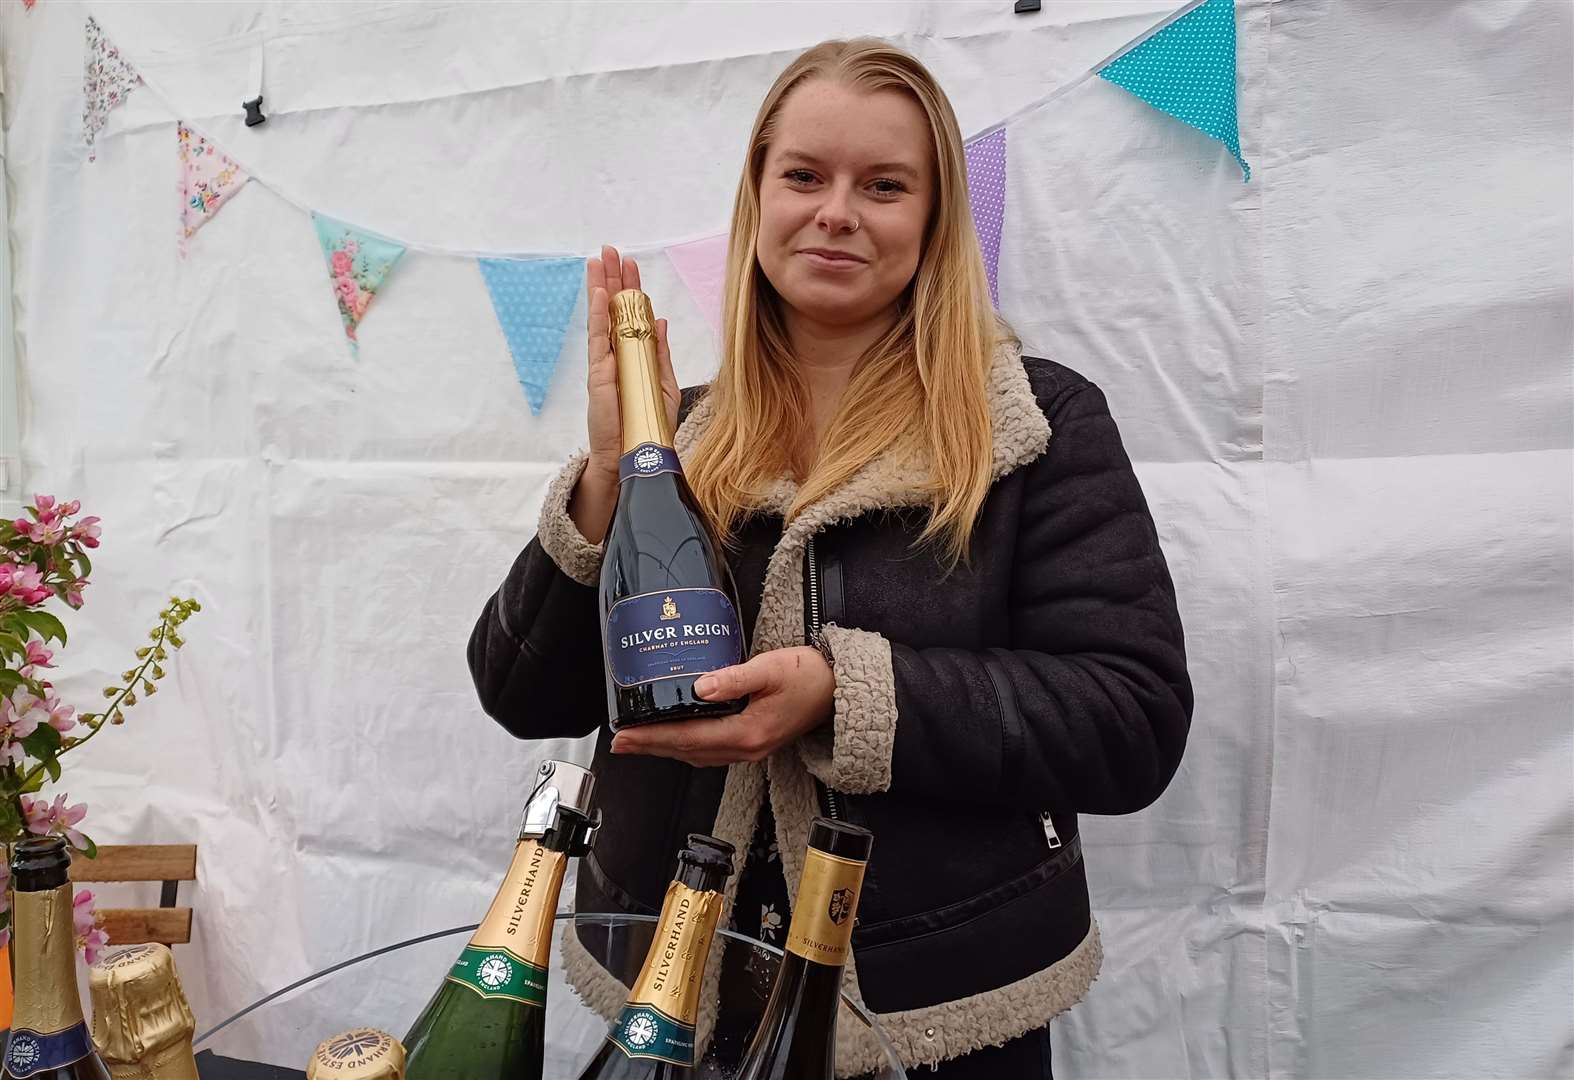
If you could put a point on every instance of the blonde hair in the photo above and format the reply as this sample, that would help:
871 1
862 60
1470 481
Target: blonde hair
926 379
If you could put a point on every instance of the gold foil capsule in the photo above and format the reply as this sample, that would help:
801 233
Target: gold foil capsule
142 1025
362 1054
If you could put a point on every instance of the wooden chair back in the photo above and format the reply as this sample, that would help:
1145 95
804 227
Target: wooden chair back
169 923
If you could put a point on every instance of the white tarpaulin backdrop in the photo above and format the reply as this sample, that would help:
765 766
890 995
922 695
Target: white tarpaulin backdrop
1346 387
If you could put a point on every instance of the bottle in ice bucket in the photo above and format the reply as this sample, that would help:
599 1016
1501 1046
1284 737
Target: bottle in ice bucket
653 1039
142 1025
362 1054
49 1037
796 1038
488 1020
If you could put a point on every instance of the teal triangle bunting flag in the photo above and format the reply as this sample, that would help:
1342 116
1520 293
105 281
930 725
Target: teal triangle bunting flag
534 299
1187 69
358 262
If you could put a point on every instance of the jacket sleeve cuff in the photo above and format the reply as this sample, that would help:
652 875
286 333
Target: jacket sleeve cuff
560 538
853 754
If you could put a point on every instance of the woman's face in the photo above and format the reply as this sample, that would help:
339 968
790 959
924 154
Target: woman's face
845 194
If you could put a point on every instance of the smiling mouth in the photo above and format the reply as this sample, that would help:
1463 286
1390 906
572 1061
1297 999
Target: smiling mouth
825 255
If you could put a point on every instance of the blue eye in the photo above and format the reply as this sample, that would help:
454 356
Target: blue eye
800 176
888 187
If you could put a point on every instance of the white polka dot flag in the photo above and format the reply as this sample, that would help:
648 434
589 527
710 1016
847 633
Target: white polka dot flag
986 190
534 299
1187 69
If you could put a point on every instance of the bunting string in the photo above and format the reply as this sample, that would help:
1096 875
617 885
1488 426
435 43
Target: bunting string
1185 67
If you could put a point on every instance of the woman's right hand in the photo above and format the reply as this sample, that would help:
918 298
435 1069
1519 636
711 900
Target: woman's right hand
595 496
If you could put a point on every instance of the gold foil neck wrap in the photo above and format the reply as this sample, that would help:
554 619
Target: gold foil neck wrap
520 918
826 908
643 409
362 1054
670 979
46 962
142 1024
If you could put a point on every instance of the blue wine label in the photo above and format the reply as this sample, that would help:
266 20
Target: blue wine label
646 1032
670 634
648 459
31 1052
499 973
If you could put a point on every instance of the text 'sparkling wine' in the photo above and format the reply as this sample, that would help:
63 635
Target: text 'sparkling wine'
49 1037
488 1020
796 1039
669 608
653 1038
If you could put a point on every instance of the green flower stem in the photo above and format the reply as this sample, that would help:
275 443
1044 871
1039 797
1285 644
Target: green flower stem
103 718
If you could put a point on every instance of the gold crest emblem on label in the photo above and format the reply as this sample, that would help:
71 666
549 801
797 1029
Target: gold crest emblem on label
822 918
669 610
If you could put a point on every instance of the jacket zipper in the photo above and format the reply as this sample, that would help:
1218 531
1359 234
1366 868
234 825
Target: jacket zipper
1049 830
832 806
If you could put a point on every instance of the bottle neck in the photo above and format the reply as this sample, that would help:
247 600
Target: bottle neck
45 948
640 401
823 912
675 965
520 918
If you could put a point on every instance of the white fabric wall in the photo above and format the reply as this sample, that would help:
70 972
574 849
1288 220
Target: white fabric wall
1346 386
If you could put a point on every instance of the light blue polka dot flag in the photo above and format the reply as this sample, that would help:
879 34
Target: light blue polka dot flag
1187 69
534 299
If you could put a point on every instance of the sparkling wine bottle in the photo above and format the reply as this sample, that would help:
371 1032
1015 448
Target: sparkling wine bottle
668 604
488 1020
49 1037
796 1038
653 1038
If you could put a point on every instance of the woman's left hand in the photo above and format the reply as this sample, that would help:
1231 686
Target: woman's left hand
790 693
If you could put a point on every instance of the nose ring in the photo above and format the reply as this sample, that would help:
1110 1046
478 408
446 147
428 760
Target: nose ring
855 226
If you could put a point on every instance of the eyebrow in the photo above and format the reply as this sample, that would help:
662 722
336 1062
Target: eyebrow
883 166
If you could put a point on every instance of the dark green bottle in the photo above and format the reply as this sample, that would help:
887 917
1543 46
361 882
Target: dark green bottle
653 1039
49 1037
796 1038
488 1020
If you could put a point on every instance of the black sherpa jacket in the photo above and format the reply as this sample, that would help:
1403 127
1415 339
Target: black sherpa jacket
976 714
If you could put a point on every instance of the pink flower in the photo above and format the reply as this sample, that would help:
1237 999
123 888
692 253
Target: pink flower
86 532
56 818
71 508
91 937
341 262
28 584
37 655
352 245
48 531
20 715
60 717
45 505
74 592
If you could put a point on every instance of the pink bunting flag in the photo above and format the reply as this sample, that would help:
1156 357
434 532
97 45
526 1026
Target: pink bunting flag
207 180
106 80
702 264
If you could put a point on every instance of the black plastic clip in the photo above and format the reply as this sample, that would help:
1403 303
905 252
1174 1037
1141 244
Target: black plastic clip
254 111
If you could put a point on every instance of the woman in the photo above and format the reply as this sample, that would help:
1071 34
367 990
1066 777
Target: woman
997 647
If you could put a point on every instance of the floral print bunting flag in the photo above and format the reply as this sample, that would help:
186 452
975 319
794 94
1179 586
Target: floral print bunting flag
357 262
207 180
106 81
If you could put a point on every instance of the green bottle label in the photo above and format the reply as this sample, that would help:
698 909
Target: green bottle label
499 973
644 1032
